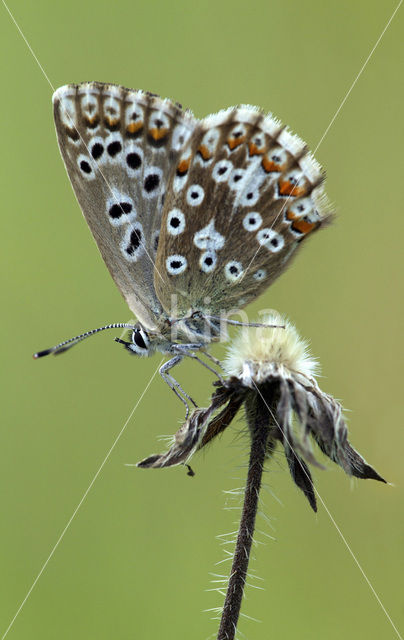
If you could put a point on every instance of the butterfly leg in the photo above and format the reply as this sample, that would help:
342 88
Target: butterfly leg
192 355
215 360
173 384
188 350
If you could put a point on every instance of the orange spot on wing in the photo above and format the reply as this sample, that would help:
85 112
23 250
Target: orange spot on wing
235 142
111 122
183 166
269 165
204 152
291 216
133 127
91 121
287 188
253 150
304 226
158 134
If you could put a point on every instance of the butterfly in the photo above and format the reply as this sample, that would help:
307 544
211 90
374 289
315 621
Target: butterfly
193 218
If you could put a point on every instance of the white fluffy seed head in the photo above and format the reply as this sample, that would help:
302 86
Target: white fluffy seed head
259 352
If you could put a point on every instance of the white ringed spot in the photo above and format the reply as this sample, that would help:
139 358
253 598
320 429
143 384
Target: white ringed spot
90 110
294 177
260 275
252 221
89 103
276 159
159 126
233 270
238 130
134 117
195 195
120 209
132 245
133 159
236 179
259 141
208 261
291 185
179 137
221 170
207 147
210 139
152 182
250 197
114 146
299 208
111 108
175 222
176 264
271 240
86 167
96 147
237 136
159 120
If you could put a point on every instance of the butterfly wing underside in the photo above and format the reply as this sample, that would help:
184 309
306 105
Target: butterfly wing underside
119 147
244 196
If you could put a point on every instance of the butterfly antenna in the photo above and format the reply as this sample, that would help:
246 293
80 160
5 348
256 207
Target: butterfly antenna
236 323
67 344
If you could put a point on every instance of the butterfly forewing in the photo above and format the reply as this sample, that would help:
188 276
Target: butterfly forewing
120 147
244 195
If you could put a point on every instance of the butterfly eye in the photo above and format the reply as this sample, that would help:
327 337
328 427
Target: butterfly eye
140 339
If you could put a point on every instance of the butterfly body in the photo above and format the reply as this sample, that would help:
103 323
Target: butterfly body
193 218
173 337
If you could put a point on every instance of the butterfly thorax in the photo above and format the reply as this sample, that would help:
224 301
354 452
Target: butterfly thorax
174 335
192 327
195 328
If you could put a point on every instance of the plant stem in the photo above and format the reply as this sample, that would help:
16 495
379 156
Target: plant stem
258 419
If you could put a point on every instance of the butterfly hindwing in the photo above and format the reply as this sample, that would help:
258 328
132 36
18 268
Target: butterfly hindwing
245 194
120 147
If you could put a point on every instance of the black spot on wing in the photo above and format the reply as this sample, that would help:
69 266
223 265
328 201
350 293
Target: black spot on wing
114 148
151 182
133 160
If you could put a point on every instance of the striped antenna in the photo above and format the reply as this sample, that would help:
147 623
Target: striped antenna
67 344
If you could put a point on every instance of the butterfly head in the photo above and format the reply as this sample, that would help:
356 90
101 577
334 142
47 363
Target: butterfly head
139 342
145 343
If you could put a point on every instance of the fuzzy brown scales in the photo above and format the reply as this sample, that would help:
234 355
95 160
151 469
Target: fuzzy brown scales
96 114
223 206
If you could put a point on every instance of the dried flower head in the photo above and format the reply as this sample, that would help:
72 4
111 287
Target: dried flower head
257 352
271 373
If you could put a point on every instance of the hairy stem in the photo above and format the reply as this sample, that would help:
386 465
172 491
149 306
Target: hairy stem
258 419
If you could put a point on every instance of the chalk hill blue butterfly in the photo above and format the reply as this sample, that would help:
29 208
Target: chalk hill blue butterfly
192 217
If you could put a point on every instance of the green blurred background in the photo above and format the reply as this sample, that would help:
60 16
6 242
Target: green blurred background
136 559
